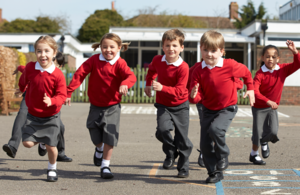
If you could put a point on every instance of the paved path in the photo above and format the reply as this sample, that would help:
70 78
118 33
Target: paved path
137 161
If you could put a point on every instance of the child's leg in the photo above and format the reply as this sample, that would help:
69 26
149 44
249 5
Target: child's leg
29 144
105 171
163 134
52 153
270 128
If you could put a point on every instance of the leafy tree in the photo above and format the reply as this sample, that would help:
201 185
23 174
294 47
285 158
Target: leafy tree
248 14
97 24
42 24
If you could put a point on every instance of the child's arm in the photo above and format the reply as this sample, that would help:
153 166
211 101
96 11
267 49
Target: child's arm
23 81
257 83
151 75
78 78
292 67
128 79
179 89
195 96
241 71
19 68
238 83
60 94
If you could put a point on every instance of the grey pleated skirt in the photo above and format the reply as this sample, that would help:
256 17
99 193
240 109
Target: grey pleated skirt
44 130
103 124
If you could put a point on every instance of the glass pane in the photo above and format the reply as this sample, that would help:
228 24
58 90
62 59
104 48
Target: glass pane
190 57
149 43
147 56
131 57
190 44
236 55
133 43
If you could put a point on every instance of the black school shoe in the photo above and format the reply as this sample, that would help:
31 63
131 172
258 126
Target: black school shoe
265 153
10 151
222 164
106 175
63 159
214 178
97 161
200 160
52 178
255 161
183 174
169 161
41 151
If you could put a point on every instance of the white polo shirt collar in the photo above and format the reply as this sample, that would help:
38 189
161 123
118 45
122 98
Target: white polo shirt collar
177 63
265 69
219 64
49 70
112 62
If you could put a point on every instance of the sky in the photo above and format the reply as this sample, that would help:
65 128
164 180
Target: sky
76 11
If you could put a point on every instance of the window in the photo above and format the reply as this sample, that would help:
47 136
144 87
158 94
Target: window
131 57
190 44
190 57
149 43
31 48
14 47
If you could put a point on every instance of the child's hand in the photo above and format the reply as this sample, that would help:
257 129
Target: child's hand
250 93
15 71
68 101
18 92
272 104
194 91
291 46
47 100
156 86
148 91
123 90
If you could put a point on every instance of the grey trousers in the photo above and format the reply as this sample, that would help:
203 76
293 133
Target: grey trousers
265 125
169 118
213 129
20 120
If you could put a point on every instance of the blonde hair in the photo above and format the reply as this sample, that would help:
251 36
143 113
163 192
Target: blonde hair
212 40
114 37
46 39
174 34
59 58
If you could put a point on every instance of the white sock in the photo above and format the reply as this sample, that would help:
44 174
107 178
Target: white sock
105 163
98 154
253 153
51 166
264 146
42 145
201 156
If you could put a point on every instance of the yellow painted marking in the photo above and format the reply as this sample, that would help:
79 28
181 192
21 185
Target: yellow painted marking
155 167
289 124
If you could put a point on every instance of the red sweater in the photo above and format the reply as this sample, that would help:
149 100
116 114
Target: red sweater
21 68
239 83
38 83
217 88
105 80
268 86
173 79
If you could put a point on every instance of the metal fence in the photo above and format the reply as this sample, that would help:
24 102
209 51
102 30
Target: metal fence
136 93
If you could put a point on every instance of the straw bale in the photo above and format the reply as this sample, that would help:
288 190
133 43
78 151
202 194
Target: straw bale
8 63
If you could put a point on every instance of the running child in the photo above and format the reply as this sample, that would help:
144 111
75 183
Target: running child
171 101
268 85
239 85
46 92
213 83
110 79
12 146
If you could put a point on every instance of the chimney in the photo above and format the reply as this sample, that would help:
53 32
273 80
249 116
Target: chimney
233 11
113 6
0 15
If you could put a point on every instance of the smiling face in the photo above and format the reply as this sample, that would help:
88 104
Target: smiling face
44 54
172 50
270 58
109 49
211 56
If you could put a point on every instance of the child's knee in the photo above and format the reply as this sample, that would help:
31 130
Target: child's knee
27 144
